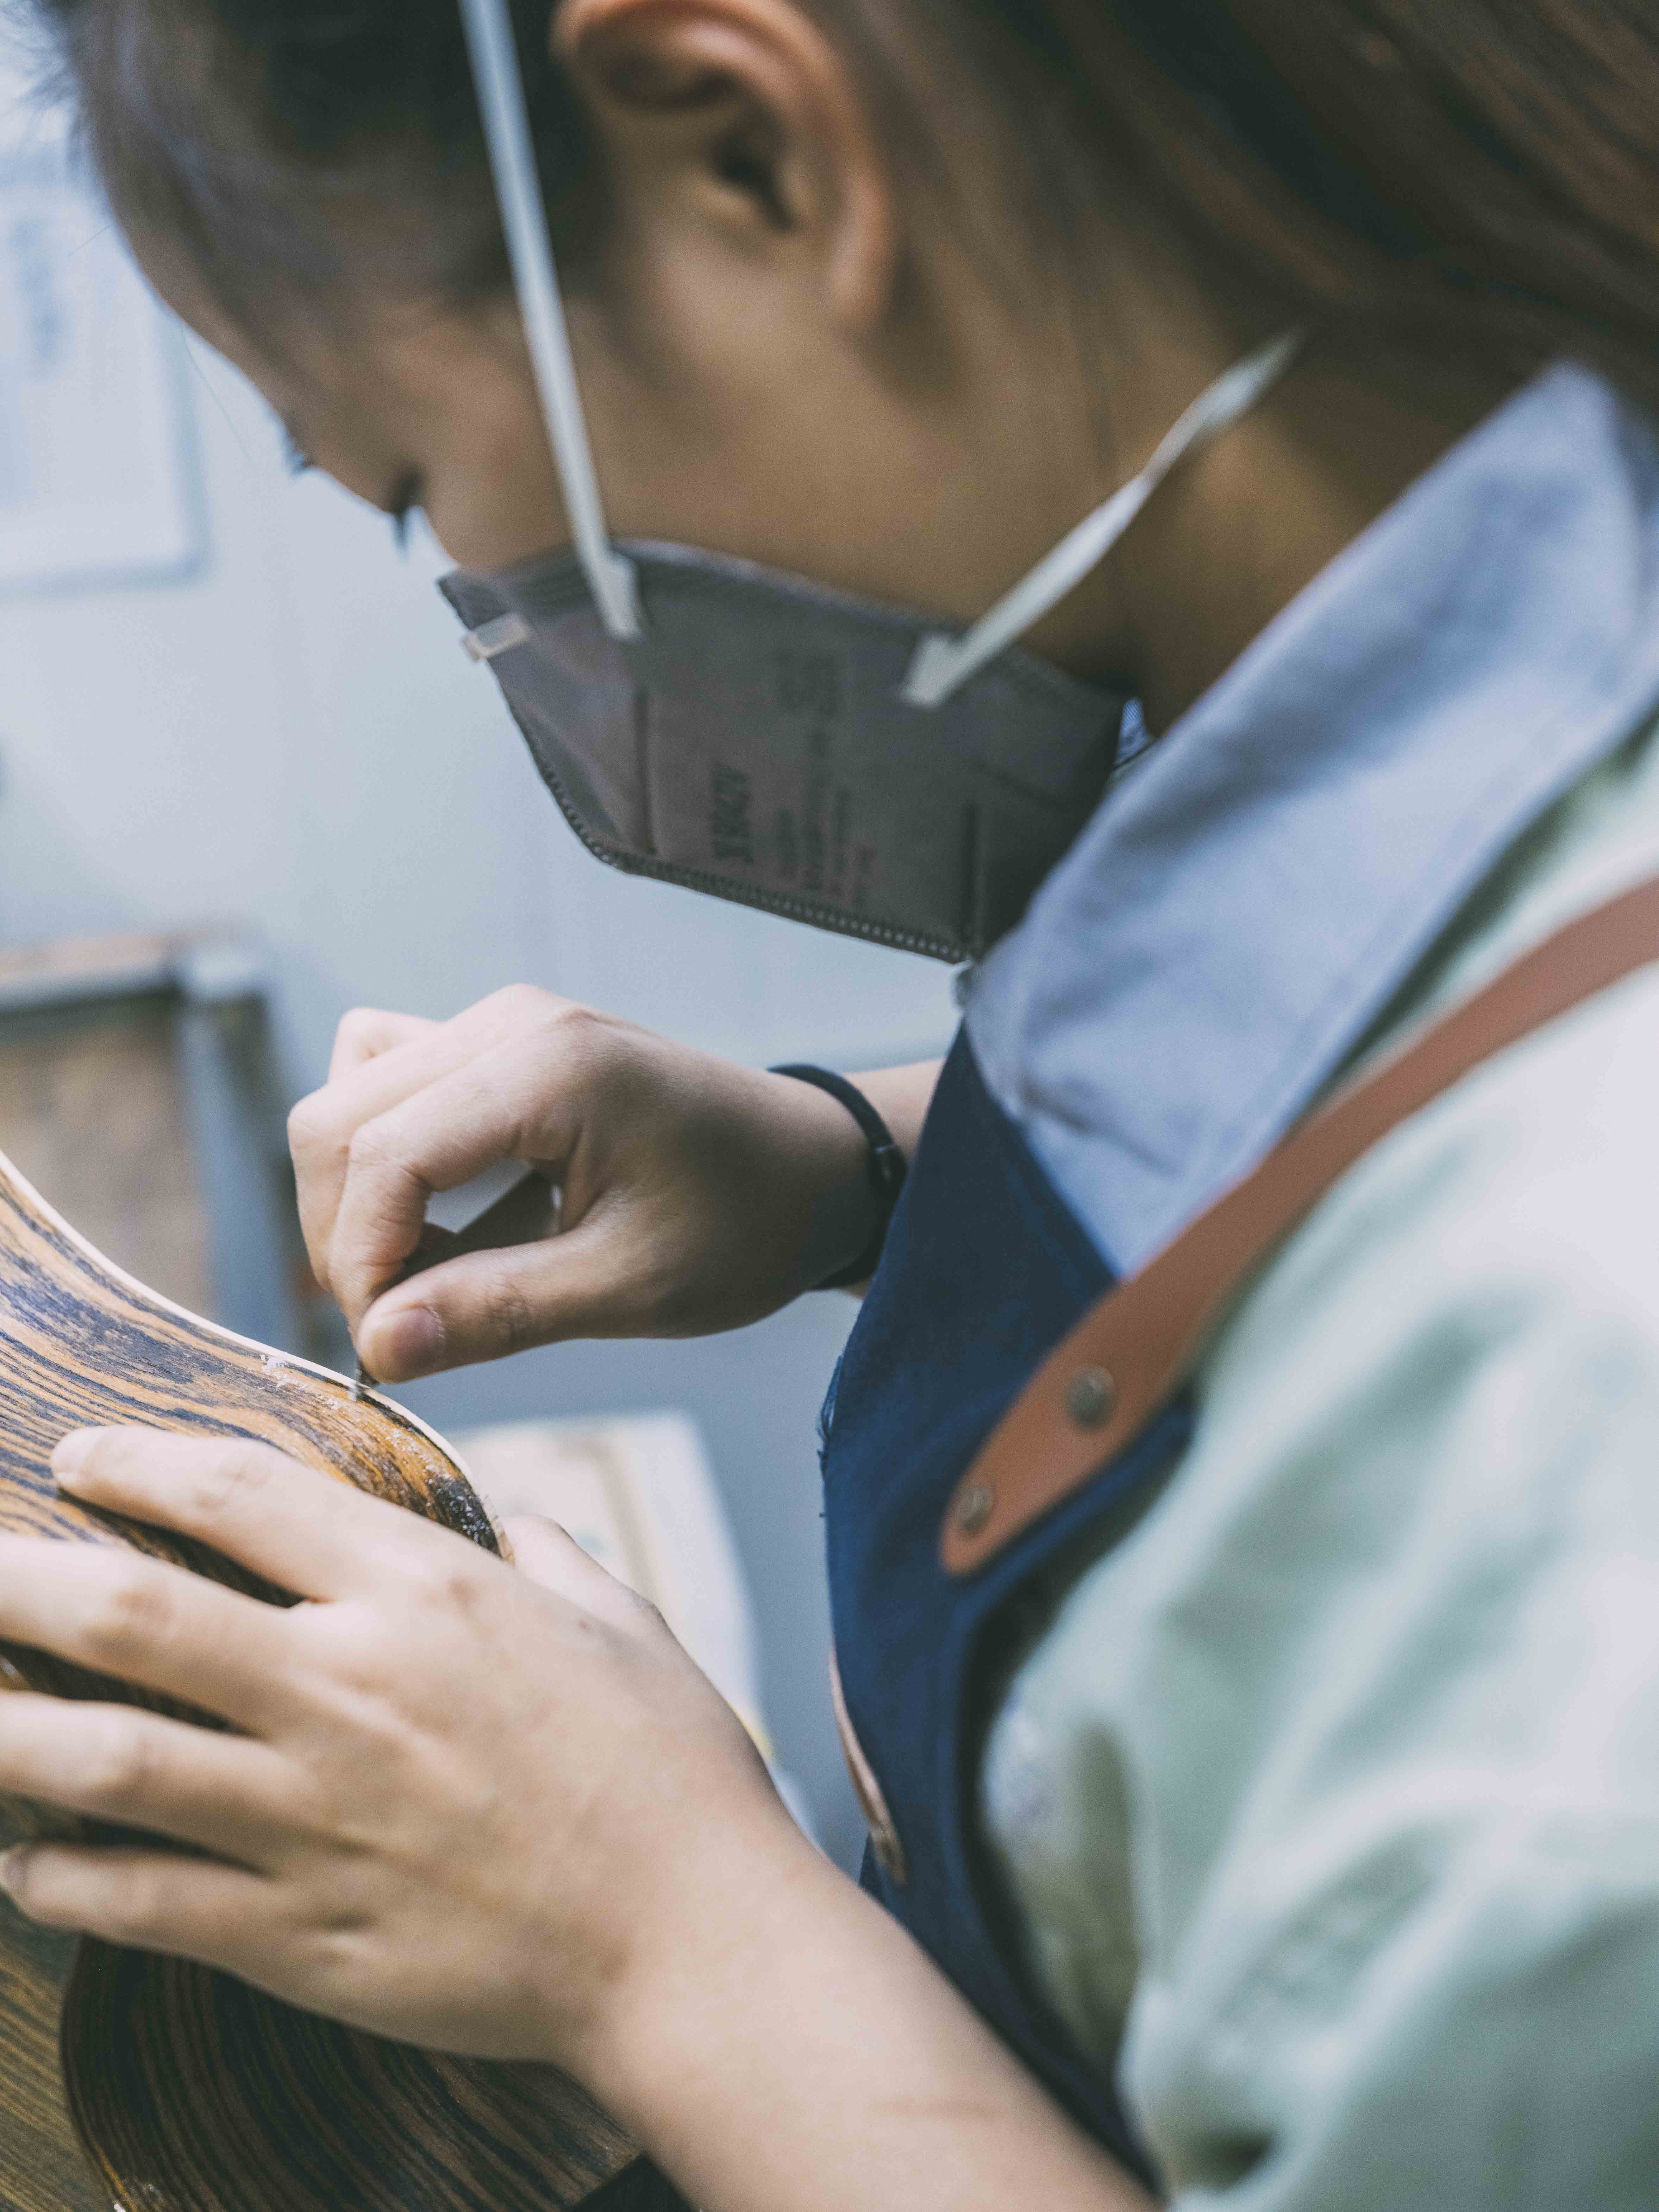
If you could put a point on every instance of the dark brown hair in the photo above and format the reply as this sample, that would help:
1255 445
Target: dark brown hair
1488 167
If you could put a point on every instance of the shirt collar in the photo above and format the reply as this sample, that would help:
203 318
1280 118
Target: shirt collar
1257 886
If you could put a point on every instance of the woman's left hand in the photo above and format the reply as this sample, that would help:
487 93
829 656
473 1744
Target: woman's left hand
456 1802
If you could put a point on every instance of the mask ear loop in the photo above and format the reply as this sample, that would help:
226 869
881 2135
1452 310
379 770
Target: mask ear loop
943 664
610 576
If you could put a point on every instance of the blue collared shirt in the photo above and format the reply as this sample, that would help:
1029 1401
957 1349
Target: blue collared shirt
1327 1801
1260 882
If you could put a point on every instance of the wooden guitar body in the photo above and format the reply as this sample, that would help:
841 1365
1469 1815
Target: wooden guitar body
182 2090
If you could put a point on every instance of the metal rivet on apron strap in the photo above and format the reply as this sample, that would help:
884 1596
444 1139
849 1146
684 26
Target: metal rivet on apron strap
974 1508
1090 1398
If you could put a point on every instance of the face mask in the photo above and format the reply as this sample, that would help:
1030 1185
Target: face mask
720 725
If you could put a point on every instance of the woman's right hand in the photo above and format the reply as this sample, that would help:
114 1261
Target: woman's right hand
697 1194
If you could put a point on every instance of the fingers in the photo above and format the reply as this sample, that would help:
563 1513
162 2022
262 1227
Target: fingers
151 1900
503 1104
145 1622
308 1532
222 1793
591 1281
367 1032
322 1127
542 1549
338 1125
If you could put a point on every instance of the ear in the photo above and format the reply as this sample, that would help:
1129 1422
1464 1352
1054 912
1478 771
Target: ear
745 112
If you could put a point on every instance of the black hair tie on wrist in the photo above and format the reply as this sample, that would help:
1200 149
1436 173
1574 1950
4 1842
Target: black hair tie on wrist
886 1165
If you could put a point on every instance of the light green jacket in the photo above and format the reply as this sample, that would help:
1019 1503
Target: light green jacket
1328 1803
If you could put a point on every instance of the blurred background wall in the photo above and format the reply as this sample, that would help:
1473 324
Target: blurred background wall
274 728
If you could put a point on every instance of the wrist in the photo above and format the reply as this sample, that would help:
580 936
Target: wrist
732 1897
884 1169
841 1212
779 2040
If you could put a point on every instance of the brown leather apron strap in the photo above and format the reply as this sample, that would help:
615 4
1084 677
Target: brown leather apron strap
1130 1353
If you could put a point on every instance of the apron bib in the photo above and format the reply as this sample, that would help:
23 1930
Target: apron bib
1003 1403
985 1270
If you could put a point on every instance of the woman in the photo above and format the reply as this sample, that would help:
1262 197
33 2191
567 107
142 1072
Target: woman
1294 1785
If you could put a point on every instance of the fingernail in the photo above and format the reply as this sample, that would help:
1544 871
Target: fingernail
407 1343
71 1454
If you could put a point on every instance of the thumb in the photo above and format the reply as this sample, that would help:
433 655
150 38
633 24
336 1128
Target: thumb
554 1559
486 1305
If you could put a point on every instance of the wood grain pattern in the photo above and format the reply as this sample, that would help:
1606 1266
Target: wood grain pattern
41 2166
326 2117
186 2091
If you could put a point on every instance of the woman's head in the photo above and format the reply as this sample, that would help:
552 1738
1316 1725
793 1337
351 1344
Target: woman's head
1499 156
853 276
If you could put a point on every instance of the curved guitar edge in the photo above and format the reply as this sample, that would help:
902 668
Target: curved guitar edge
16 1186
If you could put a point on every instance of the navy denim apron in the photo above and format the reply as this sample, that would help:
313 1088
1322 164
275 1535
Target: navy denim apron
985 1269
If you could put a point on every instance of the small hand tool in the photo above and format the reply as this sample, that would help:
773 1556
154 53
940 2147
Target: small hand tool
528 1211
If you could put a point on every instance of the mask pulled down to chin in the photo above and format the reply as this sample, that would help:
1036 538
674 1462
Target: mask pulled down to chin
755 742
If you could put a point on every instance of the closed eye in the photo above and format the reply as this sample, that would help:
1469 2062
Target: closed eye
402 502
